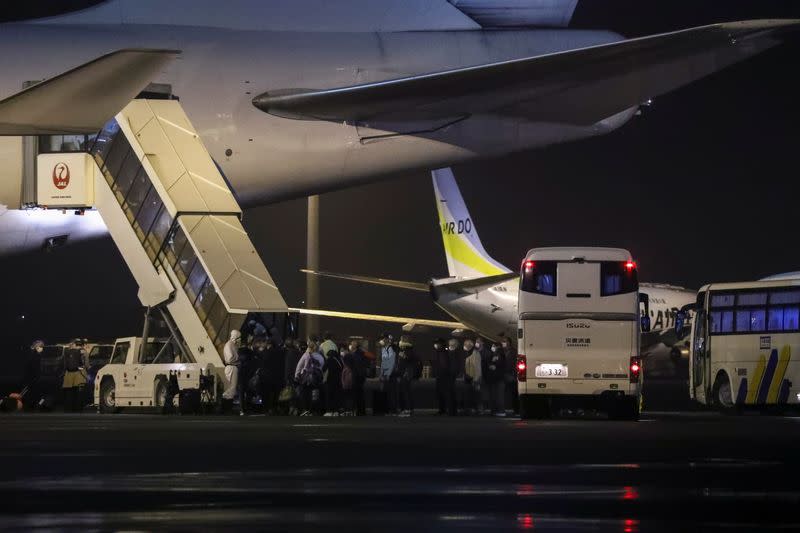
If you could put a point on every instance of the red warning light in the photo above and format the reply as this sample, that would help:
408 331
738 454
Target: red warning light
630 266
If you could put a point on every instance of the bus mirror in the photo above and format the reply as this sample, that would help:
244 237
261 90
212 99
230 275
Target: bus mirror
645 323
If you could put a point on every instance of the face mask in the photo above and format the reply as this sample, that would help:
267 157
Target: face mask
452 348
494 348
468 347
505 345
39 349
478 345
382 342
437 346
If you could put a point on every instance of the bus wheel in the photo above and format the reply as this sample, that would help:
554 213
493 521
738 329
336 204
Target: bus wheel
108 399
722 395
160 393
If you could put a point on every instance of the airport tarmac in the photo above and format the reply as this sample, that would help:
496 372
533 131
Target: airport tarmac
670 471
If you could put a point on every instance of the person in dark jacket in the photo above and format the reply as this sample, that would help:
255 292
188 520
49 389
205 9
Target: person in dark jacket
292 354
333 382
495 378
248 368
33 370
74 377
483 348
445 371
358 363
511 371
407 370
273 372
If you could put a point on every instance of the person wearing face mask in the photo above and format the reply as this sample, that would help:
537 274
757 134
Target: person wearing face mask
473 377
309 375
230 354
510 371
456 360
442 371
357 362
33 368
409 368
483 349
388 372
495 380
332 369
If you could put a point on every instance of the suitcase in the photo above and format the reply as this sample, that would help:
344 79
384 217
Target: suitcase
189 401
379 401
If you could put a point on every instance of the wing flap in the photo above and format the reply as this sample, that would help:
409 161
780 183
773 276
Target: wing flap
409 285
81 100
579 86
407 322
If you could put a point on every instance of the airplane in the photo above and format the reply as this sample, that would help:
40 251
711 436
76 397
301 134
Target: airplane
481 293
296 97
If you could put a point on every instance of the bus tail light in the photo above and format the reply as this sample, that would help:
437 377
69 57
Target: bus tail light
522 368
636 368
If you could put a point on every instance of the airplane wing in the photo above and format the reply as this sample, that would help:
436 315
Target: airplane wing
476 283
410 285
577 87
408 323
81 100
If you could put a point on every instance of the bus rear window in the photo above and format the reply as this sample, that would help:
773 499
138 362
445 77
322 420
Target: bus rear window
617 278
539 277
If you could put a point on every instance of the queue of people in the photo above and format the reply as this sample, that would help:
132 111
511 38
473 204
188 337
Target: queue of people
487 368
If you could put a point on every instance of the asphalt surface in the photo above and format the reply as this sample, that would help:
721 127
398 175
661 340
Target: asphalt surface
667 472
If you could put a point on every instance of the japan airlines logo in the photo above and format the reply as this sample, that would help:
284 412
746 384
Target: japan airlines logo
61 175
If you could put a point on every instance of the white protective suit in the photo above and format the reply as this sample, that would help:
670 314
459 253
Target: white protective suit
231 354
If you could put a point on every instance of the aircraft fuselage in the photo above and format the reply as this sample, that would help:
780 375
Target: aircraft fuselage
267 158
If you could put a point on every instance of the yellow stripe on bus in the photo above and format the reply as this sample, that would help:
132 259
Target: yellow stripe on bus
780 371
752 389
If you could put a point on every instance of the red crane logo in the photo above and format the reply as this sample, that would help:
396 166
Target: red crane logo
61 175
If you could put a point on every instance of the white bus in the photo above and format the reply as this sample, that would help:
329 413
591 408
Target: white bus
579 332
743 337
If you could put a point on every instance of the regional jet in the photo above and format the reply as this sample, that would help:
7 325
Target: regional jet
481 293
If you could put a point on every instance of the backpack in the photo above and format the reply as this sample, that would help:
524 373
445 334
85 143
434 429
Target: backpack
347 378
312 373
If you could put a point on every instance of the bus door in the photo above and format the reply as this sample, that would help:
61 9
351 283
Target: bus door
701 365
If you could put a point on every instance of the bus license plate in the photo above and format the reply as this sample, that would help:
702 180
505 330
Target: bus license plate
549 370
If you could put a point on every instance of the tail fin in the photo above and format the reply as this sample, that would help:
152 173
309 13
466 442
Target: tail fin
466 257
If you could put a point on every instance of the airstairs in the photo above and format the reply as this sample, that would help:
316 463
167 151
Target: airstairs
178 227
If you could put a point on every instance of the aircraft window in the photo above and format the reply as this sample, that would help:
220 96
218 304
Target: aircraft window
120 353
752 298
722 300
785 297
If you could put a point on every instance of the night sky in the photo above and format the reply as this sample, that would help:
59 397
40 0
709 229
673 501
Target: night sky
700 188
